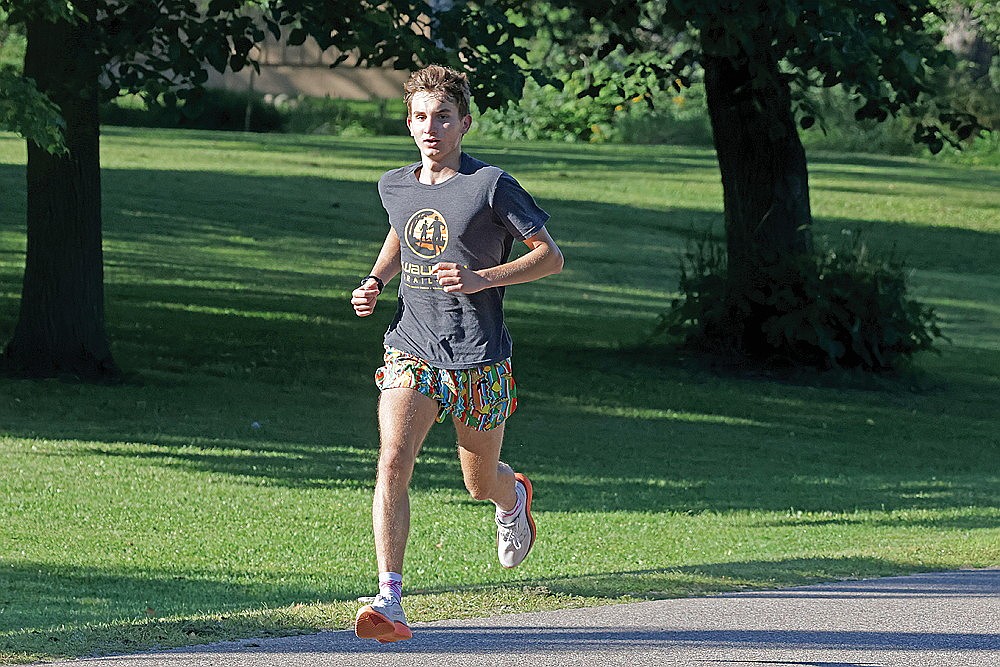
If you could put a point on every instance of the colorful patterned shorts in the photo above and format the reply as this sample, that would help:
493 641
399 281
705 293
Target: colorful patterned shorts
481 398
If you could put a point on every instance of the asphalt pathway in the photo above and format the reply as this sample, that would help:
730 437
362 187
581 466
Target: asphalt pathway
948 619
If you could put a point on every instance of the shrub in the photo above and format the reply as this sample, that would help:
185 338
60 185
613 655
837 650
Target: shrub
676 117
354 118
843 307
227 110
840 131
12 44
215 110
544 113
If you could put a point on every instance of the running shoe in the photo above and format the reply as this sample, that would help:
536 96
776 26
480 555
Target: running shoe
515 540
382 620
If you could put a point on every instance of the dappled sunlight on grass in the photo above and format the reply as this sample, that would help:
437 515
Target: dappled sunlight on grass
230 477
968 303
639 413
760 574
574 404
259 314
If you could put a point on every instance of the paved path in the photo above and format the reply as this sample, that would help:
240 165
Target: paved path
949 619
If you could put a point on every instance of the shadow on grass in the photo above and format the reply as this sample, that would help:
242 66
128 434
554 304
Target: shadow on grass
243 288
604 429
87 595
524 157
107 612
714 578
921 247
615 448
898 170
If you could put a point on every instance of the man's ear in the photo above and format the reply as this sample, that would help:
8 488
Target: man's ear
466 123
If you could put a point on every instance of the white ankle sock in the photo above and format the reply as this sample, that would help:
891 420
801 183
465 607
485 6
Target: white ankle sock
390 584
508 517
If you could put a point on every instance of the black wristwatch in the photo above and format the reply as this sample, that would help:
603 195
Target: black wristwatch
378 281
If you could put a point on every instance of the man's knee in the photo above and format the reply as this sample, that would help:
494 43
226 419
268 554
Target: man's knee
395 461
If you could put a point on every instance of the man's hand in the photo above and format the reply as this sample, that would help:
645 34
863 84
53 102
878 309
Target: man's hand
457 278
364 297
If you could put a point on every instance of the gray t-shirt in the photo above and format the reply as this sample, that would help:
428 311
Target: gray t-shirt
472 219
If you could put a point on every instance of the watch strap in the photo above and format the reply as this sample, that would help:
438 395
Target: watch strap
378 281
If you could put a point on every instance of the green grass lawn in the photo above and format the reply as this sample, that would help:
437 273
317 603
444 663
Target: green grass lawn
154 513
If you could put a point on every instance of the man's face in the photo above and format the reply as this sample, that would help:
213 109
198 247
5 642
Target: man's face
437 127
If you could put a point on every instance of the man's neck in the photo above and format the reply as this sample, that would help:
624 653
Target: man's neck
432 172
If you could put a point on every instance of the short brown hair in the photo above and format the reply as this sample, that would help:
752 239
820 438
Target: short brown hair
442 83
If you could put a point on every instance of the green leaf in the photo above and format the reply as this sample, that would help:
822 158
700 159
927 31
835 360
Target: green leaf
910 60
27 111
218 56
297 37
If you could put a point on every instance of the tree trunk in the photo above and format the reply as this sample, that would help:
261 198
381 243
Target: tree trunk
764 181
60 330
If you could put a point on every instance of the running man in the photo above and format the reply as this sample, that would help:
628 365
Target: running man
447 351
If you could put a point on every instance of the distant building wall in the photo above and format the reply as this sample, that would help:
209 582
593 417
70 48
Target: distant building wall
305 70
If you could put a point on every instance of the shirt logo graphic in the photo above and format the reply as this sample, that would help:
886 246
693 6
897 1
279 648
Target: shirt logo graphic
427 233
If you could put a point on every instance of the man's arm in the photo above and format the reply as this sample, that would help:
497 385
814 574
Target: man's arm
543 259
387 265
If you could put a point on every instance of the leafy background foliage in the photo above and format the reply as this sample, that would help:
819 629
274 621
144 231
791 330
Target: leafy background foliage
23 108
641 87
161 50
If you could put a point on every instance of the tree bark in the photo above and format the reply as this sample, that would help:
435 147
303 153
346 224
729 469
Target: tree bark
61 330
764 181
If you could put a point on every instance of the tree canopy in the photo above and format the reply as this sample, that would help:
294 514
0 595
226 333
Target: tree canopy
886 53
162 50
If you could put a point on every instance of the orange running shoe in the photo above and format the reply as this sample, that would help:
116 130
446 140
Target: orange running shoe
382 620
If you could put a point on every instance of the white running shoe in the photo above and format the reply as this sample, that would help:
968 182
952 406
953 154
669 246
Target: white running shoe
515 540
382 620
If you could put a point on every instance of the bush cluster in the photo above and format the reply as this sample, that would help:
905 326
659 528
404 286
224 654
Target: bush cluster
347 118
544 113
216 110
240 111
838 307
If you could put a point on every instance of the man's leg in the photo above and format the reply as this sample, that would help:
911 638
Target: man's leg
488 478
405 416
